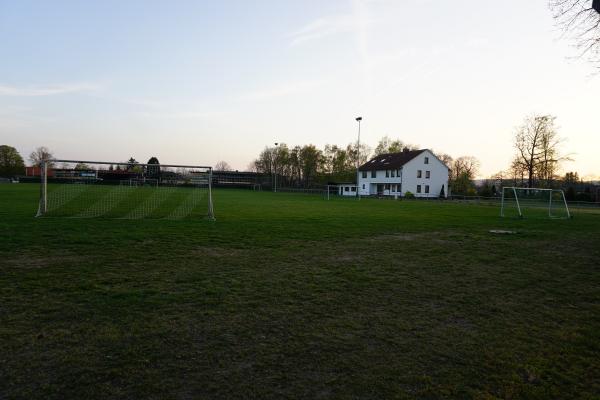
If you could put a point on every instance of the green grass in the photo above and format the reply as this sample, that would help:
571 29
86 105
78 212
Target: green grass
292 296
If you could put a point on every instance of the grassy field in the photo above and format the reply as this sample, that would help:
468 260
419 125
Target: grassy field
292 296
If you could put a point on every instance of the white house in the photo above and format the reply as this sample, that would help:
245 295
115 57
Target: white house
417 171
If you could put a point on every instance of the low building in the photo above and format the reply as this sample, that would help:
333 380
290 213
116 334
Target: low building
347 189
419 172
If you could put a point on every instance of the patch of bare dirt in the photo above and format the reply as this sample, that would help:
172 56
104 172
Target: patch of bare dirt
437 237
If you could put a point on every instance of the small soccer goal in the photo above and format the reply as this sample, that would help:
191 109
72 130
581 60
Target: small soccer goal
88 189
533 202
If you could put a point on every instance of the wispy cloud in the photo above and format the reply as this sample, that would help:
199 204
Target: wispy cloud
49 90
281 90
183 114
323 27
356 23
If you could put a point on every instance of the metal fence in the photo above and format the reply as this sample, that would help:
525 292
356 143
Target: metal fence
573 205
583 206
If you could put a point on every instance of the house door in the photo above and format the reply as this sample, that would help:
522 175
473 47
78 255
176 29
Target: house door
380 188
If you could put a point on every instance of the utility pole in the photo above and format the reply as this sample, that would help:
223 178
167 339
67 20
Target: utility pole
358 119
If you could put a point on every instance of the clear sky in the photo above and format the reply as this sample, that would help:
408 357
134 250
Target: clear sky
199 82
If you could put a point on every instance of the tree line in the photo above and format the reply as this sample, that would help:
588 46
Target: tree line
536 162
308 166
12 163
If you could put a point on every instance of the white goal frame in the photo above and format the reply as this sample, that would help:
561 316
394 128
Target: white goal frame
43 203
551 191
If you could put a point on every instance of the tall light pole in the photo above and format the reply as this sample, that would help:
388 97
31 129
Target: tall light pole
358 119
275 165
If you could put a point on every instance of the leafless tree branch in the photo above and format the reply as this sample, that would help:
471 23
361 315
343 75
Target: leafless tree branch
581 22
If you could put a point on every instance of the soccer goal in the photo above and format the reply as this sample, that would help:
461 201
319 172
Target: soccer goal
88 189
533 202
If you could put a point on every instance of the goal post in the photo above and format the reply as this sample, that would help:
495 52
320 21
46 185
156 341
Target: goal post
330 190
550 203
127 190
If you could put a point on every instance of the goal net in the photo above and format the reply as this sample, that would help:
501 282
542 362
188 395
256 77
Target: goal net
533 202
88 189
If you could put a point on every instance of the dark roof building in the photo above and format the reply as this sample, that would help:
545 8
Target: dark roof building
390 160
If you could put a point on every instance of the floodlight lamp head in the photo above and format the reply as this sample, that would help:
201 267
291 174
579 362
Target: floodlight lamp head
359 119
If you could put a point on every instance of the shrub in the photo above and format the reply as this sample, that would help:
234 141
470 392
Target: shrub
409 195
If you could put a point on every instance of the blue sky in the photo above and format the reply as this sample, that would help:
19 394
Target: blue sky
199 82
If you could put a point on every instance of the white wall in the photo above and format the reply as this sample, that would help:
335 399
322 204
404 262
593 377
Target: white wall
438 176
371 183
342 190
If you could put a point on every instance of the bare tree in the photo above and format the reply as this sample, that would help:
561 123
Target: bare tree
467 166
41 154
517 172
352 151
387 145
222 166
252 167
579 19
446 159
537 144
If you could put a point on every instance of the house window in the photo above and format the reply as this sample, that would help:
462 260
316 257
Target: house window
400 188
345 188
427 174
418 188
387 186
354 188
398 173
426 160
393 173
394 188
373 174
419 173
364 174
363 185
387 173
426 188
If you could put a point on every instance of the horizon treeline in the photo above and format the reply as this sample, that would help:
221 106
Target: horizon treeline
307 166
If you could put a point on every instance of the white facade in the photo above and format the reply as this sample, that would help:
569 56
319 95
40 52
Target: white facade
423 176
347 189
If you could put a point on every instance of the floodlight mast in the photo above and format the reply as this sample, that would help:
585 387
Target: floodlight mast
275 166
358 119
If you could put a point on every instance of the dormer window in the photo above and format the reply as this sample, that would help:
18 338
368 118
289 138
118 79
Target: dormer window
426 160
